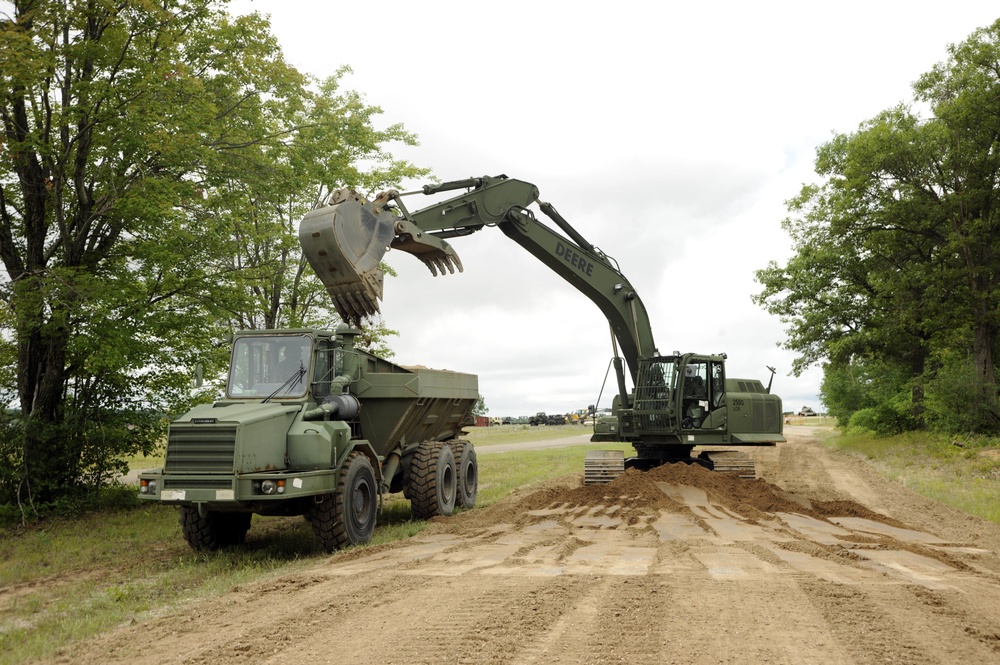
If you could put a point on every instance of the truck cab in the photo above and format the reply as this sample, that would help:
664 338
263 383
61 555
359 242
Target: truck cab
310 425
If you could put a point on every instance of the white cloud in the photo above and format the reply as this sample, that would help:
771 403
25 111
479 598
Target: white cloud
669 134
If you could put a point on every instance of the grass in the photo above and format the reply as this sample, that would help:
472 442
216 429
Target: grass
962 473
64 580
488 436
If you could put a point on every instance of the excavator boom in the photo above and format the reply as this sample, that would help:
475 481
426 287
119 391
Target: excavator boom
345 241
678 401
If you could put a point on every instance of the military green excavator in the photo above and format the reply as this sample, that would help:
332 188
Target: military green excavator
678 401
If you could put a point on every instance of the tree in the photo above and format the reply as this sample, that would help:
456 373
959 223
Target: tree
333 133
896 252
867 279
480 409
142 143
964 95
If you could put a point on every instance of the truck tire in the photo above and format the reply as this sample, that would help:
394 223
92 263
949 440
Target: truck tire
433 482
467 468
214 530
347 516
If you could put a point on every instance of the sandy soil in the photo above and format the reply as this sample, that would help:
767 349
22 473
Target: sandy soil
819 560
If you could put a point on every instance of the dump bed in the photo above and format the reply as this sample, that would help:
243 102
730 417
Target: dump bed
407 405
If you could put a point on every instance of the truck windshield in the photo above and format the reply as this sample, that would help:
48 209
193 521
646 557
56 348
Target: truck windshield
273 366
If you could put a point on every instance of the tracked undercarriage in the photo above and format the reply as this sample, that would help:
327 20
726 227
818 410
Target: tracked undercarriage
603 466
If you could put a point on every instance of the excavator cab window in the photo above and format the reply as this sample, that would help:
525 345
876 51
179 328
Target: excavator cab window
695 396
718 387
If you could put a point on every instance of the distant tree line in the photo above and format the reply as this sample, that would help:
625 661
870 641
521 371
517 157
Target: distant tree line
894 285
155 159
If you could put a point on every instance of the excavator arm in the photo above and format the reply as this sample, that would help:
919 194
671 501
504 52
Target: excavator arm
345 241
668 413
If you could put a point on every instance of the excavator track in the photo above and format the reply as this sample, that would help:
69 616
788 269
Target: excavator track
730 462
603 466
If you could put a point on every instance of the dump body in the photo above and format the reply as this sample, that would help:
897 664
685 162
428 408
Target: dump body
300 404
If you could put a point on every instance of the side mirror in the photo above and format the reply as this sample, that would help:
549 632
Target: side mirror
198 376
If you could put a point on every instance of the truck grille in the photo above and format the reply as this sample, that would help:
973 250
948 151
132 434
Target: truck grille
198 483
200 449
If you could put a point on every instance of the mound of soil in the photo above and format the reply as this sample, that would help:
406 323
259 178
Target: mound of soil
640 494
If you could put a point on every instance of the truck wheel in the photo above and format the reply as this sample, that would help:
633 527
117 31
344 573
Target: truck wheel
215 530
347 516
433 483
468 473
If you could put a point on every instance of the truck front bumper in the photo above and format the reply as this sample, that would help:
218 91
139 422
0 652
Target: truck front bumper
226 491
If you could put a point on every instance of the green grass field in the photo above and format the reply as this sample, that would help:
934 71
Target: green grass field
960 472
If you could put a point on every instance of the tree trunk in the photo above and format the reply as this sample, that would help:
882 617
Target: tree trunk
917 363
48 461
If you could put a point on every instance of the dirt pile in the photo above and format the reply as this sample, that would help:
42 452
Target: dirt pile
638 494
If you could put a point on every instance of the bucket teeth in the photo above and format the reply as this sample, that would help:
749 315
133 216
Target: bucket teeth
441 262
354 306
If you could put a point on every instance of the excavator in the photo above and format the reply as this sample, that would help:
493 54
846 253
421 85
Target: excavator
678 403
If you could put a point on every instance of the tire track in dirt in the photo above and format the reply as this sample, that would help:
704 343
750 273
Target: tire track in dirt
807 564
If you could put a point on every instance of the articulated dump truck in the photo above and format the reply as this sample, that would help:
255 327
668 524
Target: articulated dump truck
311 425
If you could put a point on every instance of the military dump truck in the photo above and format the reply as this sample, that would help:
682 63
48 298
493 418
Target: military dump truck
678 401
311 425
541 418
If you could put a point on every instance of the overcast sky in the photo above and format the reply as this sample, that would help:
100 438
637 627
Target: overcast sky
669 134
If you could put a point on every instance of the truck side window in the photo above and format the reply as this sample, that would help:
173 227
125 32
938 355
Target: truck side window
321 387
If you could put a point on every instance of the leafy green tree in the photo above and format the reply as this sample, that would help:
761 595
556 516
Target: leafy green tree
964 96
845 390
333 133
480 409
896 252
152 158
954 396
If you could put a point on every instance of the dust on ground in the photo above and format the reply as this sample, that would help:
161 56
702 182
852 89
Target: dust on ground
818 560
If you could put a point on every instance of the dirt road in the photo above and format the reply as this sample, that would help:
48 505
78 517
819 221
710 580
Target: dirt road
817 561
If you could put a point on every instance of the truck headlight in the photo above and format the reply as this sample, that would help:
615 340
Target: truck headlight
147 487
268 487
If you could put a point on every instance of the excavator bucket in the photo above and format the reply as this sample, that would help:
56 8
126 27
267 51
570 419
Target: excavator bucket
344 243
